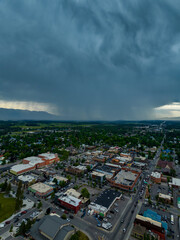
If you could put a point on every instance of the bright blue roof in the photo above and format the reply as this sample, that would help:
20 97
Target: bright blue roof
153 215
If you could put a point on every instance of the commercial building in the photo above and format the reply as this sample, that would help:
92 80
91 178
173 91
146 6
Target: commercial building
165 198
125 179
60 178
72 192
178 202
100 159
76 170
104 202
151 225
42 159
34 161
41 189
21 168
156 177
51 227
31 163
175 183
98 176
49 158
26 179
69 202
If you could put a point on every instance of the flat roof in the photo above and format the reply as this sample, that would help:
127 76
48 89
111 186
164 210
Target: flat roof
156 174
41 187
60 178
125 177
99 174
80 167
146 219
47 155
72 192
161 195
26 178
176 181
107 197
70 200
20 167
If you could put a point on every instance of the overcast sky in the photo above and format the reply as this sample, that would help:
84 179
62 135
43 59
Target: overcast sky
91 60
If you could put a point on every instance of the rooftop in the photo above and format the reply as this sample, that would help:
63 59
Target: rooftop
146 219
20 167
70 200
41 187
72 192
34 160
156 174
60 178
47 155
54 227
161 195
125 177
176 182
99 174
26 178
107 197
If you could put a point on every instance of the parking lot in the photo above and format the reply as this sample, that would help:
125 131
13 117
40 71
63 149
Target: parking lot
155 189
112 216
165 217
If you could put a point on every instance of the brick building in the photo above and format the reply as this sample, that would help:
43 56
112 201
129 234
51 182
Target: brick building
125 179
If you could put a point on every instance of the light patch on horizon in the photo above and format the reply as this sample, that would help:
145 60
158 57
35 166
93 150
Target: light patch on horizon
168 110
30 106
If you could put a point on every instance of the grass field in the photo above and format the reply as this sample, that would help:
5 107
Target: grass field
7 207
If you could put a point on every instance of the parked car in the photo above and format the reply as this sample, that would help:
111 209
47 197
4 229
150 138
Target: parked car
2 225
16 220
7 222
24 212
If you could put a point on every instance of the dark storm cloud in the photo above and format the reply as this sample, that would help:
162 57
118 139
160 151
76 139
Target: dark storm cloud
92 59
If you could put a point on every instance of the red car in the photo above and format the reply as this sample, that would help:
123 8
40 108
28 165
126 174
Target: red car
23 212
7 222
66 212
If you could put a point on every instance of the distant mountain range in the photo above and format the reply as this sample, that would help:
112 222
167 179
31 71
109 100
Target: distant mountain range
15 114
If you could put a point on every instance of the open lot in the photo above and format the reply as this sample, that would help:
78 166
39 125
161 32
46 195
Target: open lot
7 207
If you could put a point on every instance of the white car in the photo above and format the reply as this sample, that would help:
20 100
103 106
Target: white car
2 225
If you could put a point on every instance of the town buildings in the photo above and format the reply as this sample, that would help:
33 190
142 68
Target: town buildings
125 179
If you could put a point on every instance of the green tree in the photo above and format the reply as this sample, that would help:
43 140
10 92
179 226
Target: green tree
64 216
85 193
39 205
11 228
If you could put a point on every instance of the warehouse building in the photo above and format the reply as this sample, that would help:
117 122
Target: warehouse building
41 189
